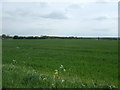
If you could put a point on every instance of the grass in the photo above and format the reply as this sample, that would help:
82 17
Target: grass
88 63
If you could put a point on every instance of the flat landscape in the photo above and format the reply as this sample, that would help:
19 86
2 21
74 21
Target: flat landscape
60 63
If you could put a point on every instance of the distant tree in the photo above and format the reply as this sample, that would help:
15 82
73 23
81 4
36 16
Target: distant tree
98 38
4 36
8 36
16 37
36 37
44 37
21 37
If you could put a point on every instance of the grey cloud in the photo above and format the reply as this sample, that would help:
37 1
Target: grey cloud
43 4
29 13
16 13
101 2
24 10
101 30
74 6
101 18
55 15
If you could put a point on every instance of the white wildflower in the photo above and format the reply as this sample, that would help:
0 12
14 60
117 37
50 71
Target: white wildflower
63 80
44 78
56 72
110 87
64 70
83 85
14 61
52 84
61 66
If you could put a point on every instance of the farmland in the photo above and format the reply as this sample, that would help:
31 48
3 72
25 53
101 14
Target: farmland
60 63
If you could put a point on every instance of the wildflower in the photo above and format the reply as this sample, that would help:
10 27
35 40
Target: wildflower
83 85
52 84
61 66
44 78
64 70
14 61
110 87
56 72
63 80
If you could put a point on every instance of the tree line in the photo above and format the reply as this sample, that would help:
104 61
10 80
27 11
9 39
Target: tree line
4 36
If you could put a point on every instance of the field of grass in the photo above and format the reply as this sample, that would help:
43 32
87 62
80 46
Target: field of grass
60 63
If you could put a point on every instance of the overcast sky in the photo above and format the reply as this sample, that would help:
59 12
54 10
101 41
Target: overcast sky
60 18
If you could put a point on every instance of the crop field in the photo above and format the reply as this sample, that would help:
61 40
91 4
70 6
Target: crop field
59 63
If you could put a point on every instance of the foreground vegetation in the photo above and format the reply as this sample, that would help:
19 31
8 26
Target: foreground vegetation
60 63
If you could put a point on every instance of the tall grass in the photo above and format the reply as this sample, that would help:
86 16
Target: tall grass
21 77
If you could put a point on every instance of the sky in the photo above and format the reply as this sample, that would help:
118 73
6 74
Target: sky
97 18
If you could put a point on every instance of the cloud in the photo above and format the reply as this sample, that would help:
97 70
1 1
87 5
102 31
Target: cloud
55 15
32 19
101 2
101 18
43 4
24 9
33 10
74 6
105 1
101 30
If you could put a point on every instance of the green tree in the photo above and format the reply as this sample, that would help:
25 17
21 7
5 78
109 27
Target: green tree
4 36
15 37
